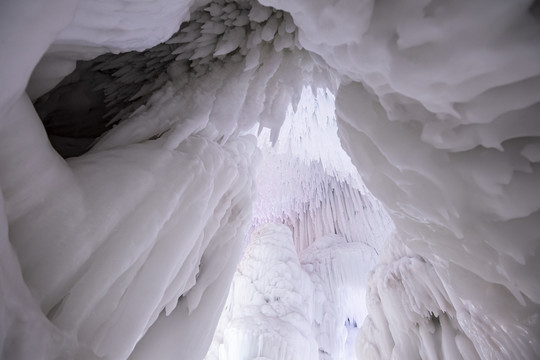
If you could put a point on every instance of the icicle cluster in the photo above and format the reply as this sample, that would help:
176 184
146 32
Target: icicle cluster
309 183
229 30
338 270
412 311
134 77
315 204
113 86
103 91
309 132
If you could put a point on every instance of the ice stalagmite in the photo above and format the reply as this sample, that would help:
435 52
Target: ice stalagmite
268 313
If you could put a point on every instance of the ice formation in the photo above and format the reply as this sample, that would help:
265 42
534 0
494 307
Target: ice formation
128 250
269 312
315 191
285 305
334 225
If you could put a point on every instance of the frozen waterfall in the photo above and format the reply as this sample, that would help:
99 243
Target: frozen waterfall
313 179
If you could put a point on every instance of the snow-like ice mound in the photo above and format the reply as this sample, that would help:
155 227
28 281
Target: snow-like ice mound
288 306
269 311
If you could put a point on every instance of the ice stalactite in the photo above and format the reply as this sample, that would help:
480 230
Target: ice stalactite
315 204
308 182
412 314
110 88
338 270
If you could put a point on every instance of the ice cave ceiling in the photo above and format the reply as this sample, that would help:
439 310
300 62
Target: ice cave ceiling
269 179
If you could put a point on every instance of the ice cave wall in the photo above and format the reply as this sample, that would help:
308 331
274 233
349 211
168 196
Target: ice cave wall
89 255
437 105
444 130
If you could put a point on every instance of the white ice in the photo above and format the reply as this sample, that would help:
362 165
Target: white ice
336 229
128 251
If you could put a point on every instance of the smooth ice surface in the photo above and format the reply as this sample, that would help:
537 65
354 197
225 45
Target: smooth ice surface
437 106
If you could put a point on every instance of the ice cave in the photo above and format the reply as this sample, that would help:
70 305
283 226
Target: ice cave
269 179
